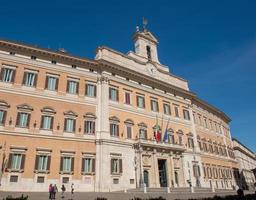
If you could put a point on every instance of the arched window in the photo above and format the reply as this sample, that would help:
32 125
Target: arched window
190 140
180 135
142 131
47 118
70 121
114 126
149 52
89 123
3 111
171 138
23 116
129 128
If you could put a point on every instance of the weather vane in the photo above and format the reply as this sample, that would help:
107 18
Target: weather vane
145 23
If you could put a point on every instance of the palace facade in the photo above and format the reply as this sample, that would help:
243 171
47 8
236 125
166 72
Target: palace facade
117 122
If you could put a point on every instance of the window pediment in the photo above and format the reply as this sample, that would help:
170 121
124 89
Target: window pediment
70 113
170 130
179 132
129 121
142 125
90 115
25 107
114 119
190 134
48 110
4 104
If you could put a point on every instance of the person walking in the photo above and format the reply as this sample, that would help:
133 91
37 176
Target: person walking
72 190
50 191
55 190
63 189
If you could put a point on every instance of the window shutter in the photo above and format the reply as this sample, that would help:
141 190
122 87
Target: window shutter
117 94
86 90
117 126
109 93
72 164
10 161
111 166
28 122
2 74
146 134
36 162
46 82
48 162
13 75
67 89
35 81
95 90
61 164
74 126
93 126
57 84
143 102
24 78
18 119
137 99
51 126
22 161
4 117
120 166
151 104
42 121
65 124
83 160
93 165
77 87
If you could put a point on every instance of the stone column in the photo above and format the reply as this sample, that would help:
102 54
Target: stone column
102 128
182 162
155 169
171 174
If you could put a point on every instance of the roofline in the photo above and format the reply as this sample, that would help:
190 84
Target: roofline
45 50
254 153
197 99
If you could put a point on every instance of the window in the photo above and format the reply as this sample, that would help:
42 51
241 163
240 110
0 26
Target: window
30 79
148 52
16 161
40 179
200 145
205 123
51 83
199 119
167 109
154 105
42 163
205 147
65 180
114 126
114 129
7 75
47 122
190 142
180 139
116 166
23 119
2 117
176 109
89 127
115 181
129 131
142 131
186 114
67 164
70 125
171 138
90 90
72 87
127 98
196 170
211 148
113 94
88 165
216 149
14 178
141 101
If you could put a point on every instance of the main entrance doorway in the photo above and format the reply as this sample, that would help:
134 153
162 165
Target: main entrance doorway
162 172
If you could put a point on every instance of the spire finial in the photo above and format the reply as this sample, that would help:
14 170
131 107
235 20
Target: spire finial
145 23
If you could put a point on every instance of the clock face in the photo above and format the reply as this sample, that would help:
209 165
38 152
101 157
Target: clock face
152 70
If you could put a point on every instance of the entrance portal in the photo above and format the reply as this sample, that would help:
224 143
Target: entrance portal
146 180
162 172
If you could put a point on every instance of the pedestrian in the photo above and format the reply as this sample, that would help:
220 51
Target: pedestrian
72 190
50 191
55 190
63 189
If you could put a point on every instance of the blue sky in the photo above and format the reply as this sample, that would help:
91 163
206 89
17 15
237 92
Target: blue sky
210 43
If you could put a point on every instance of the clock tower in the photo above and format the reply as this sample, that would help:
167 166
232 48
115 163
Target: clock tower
146 45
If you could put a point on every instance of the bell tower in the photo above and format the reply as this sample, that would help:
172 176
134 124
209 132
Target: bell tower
145 44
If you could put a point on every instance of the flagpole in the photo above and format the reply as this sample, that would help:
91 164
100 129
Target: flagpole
162 128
